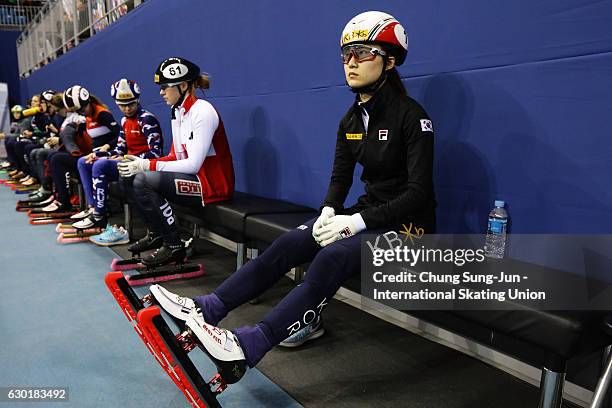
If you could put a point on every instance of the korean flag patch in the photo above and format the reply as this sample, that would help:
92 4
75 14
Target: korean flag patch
426 125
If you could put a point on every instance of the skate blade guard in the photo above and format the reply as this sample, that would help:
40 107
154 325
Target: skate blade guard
132 305
179 366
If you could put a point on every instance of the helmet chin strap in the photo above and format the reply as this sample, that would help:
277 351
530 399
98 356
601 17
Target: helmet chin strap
180 100
374 86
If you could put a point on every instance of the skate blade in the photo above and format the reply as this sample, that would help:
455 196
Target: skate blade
177 363
23 191
63 215
46 220
126 264
29 205
165 275
24 188
64 228
84 233
70 239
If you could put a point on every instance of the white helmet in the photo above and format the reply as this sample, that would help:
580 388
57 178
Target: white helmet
125 91
76 97
380 28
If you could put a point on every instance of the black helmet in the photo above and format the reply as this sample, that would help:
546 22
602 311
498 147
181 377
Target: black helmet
175 70
76 97
47 96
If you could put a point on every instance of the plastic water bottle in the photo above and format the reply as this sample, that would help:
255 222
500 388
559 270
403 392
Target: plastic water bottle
495 242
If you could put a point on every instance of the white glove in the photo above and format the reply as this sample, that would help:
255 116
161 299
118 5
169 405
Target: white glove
339 227
132 165
326 214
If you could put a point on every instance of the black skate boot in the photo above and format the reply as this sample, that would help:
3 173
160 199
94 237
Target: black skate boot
165 255
146 243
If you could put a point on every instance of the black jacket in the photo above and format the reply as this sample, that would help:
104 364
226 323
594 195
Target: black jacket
397 158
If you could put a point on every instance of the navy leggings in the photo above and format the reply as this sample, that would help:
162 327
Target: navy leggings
329 268
62 164
95 178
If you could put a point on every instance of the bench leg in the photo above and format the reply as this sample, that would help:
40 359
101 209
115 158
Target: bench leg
240 255
127 219
599 396
255 254
551 389
299 274
195 232
81 194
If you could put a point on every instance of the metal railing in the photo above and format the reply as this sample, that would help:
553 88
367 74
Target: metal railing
16 17
62 25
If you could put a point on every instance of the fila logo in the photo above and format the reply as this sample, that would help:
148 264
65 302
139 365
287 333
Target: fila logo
426 125
187 187
346 232
383 134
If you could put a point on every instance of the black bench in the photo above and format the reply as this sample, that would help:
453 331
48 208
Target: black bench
229 218
225 218
545 339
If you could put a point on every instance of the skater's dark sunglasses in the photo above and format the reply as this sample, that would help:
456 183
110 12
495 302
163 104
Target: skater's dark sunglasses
360 52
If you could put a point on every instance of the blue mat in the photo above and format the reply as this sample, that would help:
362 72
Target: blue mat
60 327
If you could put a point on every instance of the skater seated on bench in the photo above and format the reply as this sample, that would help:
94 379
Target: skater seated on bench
397 134
198 171
100 129
140 136
39 156
37 119
18 125
45 128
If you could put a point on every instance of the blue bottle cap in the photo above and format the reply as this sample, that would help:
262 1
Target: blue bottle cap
500 203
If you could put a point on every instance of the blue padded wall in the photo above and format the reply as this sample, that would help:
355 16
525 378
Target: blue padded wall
9 72
519 92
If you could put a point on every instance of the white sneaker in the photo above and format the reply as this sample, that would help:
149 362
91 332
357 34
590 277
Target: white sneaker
54 206
222 344
177 306
83 214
